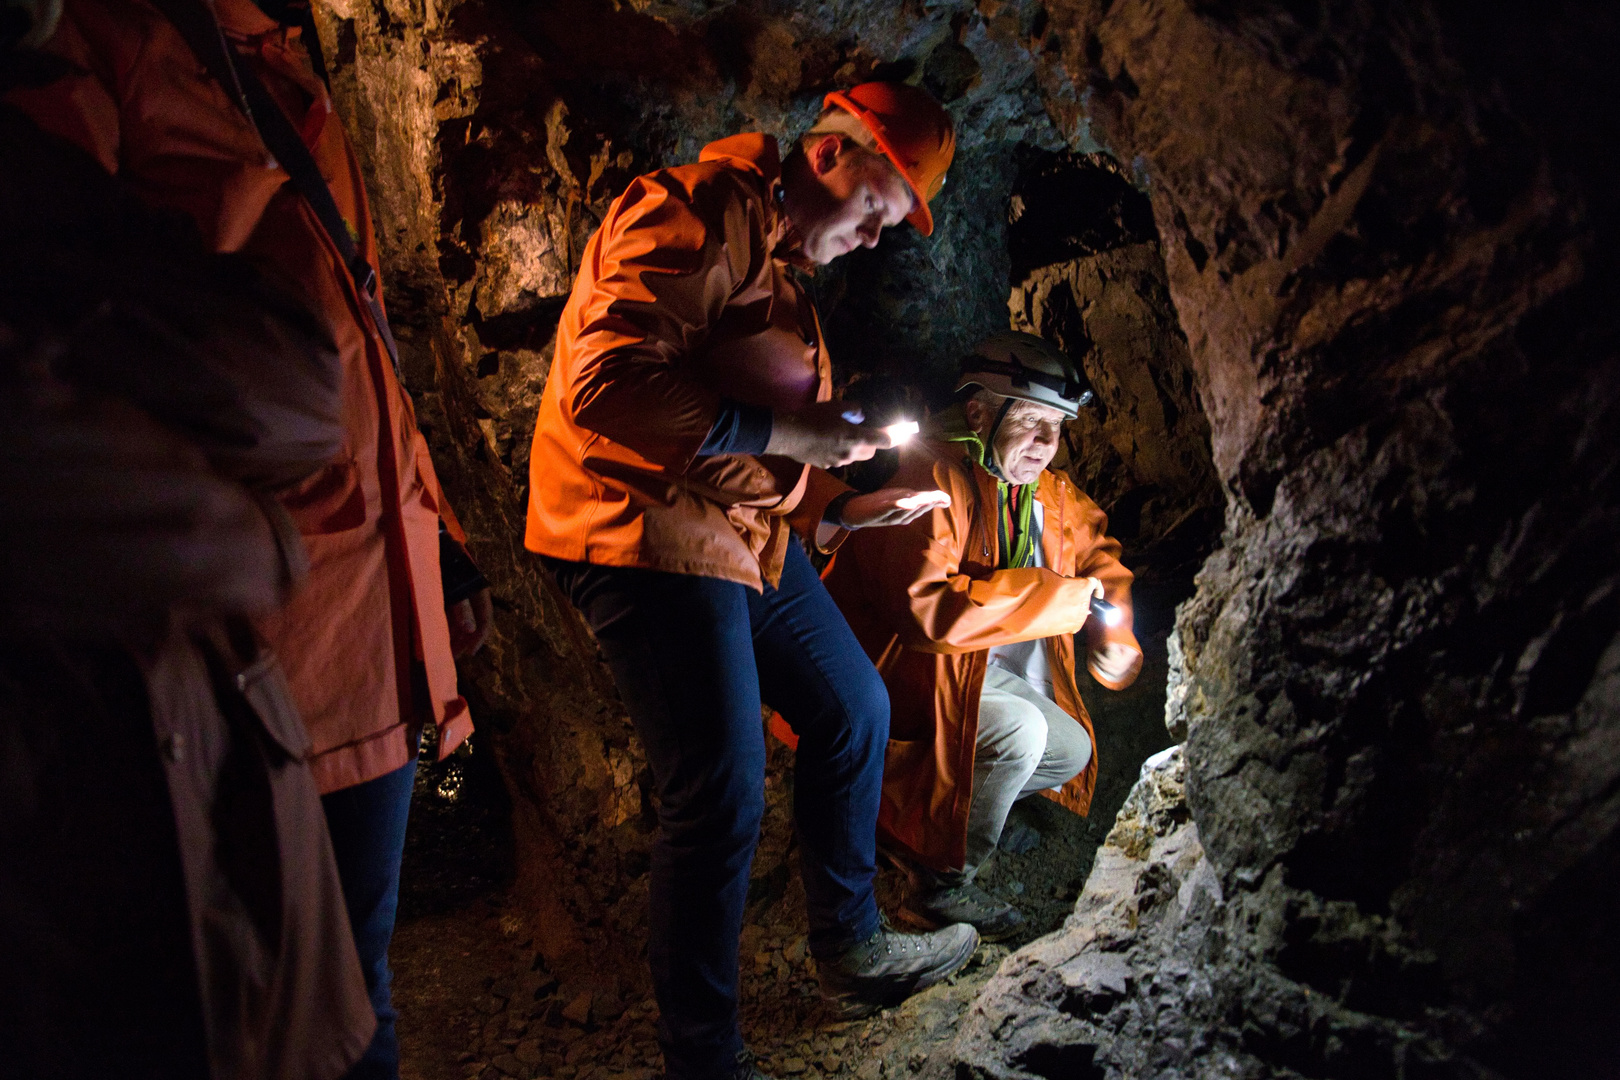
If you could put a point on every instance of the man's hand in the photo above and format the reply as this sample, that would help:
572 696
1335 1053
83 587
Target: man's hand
1093 590
1113 661
827 435
470 623
890 506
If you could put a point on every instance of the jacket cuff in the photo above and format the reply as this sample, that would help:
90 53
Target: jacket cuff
821 488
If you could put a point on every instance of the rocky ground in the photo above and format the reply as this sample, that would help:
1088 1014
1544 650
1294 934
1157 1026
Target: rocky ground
477 999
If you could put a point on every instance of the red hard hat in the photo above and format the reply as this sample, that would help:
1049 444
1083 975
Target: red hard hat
913 131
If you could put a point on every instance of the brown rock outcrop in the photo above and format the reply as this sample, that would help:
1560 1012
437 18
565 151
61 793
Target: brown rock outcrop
1389 244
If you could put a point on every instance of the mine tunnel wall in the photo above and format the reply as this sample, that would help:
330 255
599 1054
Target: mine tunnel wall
1343 276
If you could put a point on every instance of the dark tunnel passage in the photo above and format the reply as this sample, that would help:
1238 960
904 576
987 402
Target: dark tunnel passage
1059 243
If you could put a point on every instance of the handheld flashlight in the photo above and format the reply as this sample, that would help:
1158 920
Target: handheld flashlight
1108 613
900 431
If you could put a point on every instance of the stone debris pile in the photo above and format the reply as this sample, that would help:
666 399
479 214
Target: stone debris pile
526 1026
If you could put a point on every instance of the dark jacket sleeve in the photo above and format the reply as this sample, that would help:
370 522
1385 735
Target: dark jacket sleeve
128 303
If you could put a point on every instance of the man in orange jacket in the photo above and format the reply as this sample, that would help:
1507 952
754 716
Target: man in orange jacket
970 614
680 441
368 642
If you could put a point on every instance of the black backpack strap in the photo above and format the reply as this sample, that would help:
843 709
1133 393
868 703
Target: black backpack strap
288 147
196 23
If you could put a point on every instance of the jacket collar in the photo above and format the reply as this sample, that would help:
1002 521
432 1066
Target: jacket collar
757 153
952 426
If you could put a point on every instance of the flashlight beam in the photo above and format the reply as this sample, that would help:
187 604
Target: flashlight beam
901 431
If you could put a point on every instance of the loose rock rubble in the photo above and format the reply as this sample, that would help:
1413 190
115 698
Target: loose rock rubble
524 1024
478 999
1033 1018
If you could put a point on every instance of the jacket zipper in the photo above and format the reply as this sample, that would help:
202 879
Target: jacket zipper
1062 533
976 523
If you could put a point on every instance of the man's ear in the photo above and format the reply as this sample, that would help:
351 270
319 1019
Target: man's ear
973 409
823 153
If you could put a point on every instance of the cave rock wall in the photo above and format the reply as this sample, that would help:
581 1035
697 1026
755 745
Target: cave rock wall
1389 241
1386 232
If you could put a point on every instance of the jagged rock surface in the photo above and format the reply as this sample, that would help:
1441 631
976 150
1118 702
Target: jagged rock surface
1049 1007
1389 245
1089 276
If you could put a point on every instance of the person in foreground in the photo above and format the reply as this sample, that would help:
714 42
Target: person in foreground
681 440
172 907
177 98
970 614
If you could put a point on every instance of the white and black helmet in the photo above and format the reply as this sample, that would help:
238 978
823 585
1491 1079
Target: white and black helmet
1024 367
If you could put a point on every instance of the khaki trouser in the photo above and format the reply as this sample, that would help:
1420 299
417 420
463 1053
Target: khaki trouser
1026 744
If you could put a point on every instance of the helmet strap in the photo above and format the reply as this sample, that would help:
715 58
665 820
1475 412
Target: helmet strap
992 459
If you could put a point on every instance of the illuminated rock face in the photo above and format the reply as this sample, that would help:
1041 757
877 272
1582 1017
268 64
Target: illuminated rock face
1389 244
1345 273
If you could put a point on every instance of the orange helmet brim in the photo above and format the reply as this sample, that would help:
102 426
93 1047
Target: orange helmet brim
921 218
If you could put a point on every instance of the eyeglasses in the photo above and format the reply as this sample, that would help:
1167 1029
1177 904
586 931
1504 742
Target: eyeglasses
1034 425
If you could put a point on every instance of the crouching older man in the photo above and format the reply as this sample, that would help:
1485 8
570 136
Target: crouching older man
970 612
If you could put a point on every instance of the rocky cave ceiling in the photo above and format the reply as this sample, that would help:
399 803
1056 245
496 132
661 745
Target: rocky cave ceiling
1343 275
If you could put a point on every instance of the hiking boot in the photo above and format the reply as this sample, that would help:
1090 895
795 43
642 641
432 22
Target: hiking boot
1019 837
941 904
747 1068
889 967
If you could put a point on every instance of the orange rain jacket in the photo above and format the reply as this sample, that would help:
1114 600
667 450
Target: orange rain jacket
373 602
683 298
928 605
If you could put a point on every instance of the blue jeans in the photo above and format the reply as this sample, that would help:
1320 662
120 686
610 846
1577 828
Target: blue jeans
367 824
693 658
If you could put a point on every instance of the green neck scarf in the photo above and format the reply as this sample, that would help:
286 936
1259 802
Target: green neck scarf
1017 549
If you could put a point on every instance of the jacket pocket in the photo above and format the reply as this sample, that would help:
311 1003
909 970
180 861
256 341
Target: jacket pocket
331 501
